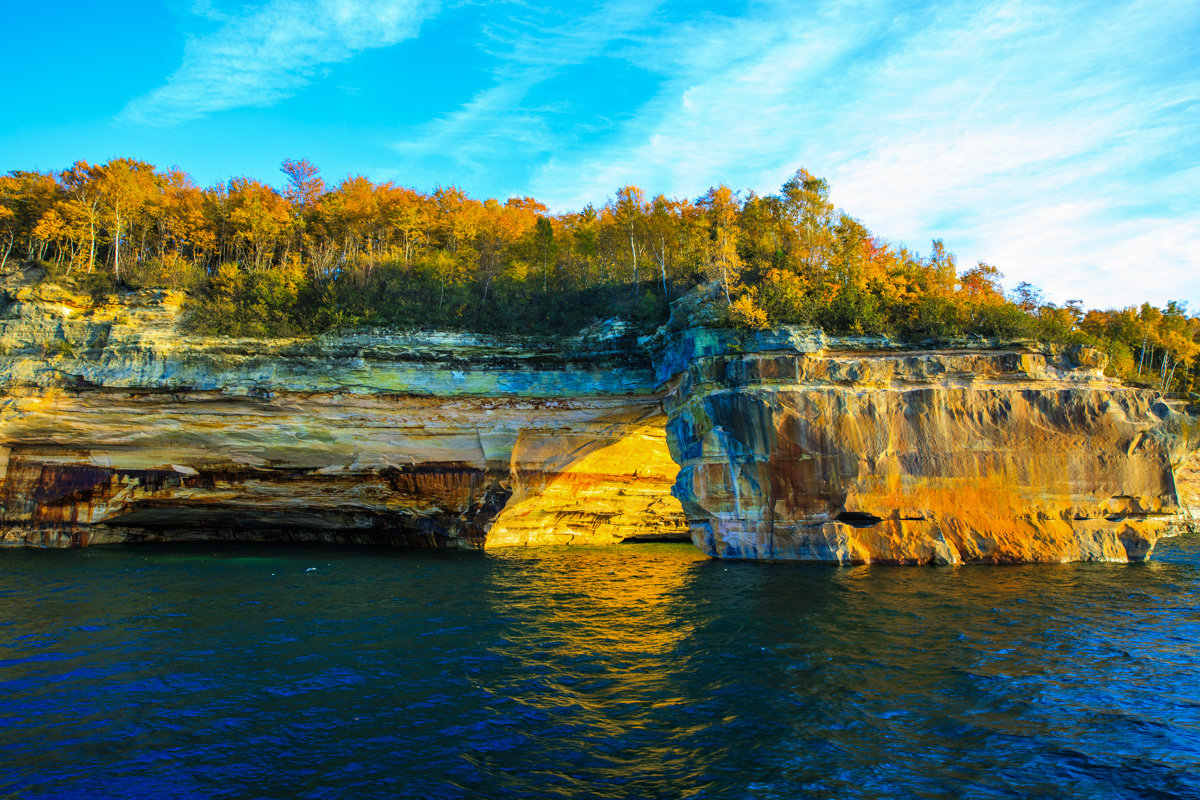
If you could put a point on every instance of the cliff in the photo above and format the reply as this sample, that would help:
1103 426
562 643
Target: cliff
796 447
116 426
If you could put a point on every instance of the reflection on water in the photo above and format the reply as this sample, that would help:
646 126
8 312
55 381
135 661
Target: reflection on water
630 672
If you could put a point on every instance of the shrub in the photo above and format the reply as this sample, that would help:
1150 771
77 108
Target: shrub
745 313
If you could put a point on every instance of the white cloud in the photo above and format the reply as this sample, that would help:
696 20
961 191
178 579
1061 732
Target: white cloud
1032 136
499 122
265 55
739 103
1058 142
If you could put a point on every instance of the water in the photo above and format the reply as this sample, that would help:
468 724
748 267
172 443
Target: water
631 672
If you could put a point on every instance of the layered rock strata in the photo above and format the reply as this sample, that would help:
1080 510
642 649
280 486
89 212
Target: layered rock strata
118 427
794 447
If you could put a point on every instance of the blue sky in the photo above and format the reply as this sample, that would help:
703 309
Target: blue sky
1059 142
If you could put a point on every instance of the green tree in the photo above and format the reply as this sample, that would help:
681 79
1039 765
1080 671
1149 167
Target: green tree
806 204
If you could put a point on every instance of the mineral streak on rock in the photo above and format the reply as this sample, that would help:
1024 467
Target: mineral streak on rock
116 427
806 449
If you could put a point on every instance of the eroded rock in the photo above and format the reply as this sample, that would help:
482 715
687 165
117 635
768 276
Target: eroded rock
118 427
818 450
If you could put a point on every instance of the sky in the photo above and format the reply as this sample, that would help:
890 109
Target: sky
1059 142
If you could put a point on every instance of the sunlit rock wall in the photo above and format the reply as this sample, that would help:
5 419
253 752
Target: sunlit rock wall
116 427
794 447
1187 481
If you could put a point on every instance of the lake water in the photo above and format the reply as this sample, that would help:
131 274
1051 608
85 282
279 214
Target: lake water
630 672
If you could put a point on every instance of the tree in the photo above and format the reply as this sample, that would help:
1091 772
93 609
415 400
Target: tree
26 197
303 192
628 210
663 227
305 184
547 248
457 216
351 212
258 218
982 282
83 209
765 231
806 204
8 218
51 228
183 227
125 187
721 211
408 212
1027 297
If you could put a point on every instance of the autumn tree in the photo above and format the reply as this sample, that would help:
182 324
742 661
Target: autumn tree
305 185
458 217
351 212
547 247
765 232
805 201
80 211
124 187
26 197
183 228
52 229
629 211
721 211
9 229
664 225
304 190
409 214
259 219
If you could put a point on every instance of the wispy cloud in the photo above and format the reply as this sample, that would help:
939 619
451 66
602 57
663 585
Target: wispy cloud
1059 142
1046 140
264 55
500 122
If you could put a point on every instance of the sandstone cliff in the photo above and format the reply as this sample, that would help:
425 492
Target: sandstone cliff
116 427
795 447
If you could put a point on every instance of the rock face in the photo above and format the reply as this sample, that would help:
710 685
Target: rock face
116 427
794 447
1187 482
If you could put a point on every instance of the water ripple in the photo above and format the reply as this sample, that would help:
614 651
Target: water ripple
638 672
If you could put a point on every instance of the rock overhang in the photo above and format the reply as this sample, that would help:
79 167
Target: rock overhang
787 443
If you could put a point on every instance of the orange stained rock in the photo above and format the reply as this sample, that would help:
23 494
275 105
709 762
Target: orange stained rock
121 465
1029 462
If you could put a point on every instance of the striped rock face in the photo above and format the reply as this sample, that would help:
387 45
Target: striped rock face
116 427
812 452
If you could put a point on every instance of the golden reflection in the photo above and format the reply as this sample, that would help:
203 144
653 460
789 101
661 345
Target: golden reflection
622 604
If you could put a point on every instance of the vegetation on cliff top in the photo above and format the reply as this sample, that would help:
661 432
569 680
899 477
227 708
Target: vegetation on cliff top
260 261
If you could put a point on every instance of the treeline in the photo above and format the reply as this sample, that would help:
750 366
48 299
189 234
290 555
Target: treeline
257 260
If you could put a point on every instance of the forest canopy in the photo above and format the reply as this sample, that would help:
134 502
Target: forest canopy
307 257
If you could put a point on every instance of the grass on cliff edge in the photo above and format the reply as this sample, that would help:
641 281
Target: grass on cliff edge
1146 346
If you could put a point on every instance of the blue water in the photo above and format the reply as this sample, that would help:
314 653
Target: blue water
630 672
